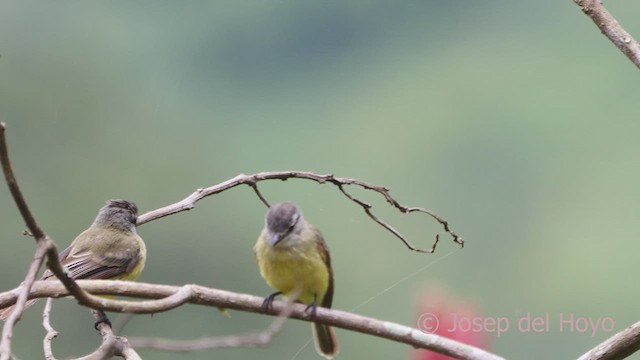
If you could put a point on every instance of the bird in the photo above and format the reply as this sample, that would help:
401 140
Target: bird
294 259
109 249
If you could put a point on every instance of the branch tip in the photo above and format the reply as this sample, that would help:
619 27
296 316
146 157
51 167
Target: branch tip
610 27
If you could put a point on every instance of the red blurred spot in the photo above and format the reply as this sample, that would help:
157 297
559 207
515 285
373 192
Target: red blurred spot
452 315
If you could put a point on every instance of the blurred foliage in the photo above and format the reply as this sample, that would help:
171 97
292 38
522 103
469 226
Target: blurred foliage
516 121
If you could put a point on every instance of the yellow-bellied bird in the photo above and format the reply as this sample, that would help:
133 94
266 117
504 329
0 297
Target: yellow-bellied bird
294 259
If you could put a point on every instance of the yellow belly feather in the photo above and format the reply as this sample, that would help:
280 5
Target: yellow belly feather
287 268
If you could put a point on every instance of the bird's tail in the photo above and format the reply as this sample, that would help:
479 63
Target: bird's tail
325 340
6 312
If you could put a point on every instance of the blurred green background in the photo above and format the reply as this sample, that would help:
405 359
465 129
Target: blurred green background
516 121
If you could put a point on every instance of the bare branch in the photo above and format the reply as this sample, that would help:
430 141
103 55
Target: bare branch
51 332
111 345
259 194
619 346
15 189
7 330
251 180
367 209
611 28
41 238
200 295
253 339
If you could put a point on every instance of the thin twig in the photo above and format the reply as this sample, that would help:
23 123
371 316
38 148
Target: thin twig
7 330
610 27
259 194
619 346
253 339
15 189
367 210
25 287
204 296
51 332
45 246
251 180
112 345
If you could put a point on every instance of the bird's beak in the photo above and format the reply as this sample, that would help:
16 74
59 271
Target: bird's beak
275 238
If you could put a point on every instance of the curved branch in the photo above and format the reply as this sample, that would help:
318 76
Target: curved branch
43 241
611 28
619 346
200 295
9 176
251 180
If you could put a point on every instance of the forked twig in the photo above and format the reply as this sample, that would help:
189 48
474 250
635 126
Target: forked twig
111 345
252 180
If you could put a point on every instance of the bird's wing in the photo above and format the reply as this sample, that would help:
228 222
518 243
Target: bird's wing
324 252
85 264
81 262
